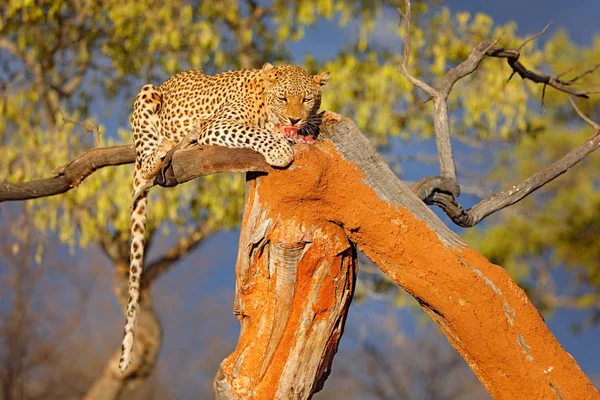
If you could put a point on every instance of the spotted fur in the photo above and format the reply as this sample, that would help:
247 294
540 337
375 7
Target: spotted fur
233 109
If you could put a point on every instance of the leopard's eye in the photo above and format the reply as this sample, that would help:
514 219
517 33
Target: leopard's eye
282 99
307 100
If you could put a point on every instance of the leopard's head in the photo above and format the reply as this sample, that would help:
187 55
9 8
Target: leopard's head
291 94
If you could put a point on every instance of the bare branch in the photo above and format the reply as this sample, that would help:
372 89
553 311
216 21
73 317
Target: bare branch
404 66
537 35
584 73
440 121
182 248
584 117
89 127
465 68
427 186
512 57
186 165
504 199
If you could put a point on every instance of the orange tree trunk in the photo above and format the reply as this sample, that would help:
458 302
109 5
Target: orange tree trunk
295 275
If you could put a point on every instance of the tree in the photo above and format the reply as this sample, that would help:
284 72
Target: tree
42 312
347 61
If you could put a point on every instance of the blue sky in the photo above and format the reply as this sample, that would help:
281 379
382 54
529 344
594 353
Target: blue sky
579 17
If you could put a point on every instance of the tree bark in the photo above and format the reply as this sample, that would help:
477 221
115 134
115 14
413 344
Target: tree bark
294 287
340 190
113 384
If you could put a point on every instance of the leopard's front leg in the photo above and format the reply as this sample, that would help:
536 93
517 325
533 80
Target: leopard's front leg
230 133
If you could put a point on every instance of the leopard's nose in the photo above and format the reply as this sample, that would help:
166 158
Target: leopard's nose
294 121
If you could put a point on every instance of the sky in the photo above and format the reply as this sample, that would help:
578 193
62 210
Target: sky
578 17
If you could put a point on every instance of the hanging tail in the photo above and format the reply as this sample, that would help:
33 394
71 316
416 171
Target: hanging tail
138 230
145 126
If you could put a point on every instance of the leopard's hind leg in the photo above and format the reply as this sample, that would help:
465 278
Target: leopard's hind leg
150 145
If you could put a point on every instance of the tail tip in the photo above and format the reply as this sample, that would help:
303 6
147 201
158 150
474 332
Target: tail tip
126 349
124 363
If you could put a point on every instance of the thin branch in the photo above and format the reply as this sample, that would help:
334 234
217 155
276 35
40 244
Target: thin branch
183 247
588 121
404 66
584 73
89 127
512 57
537 35
440 121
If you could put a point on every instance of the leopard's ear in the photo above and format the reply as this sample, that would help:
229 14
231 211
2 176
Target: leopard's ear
266 68
321 79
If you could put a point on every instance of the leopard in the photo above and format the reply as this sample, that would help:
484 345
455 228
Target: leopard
266 110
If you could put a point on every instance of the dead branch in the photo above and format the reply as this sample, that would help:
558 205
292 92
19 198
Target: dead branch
341 186
442 190
584 117
433 191
89 127
512 57
497 202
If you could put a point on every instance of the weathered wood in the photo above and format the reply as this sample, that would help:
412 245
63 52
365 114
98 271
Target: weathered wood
207 160
499 201
342 185
294 287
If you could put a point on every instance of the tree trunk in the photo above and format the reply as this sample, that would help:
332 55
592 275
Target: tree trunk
294 287
295 273
113 384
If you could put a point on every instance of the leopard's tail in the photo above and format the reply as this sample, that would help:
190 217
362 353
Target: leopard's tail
138 230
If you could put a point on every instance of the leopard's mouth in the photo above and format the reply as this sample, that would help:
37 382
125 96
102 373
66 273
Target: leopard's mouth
311 126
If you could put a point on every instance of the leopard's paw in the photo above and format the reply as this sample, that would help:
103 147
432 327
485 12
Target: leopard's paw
280 155
329 116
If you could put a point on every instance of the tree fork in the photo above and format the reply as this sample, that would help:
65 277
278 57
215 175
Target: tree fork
340 190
